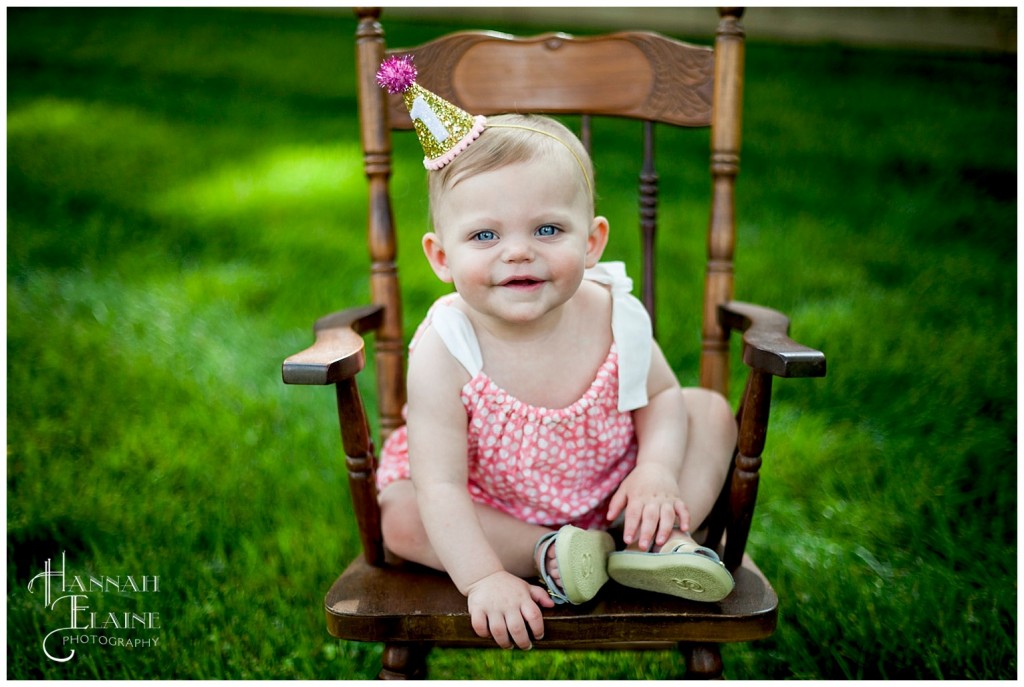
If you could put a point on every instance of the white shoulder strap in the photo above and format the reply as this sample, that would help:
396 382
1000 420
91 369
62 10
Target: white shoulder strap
458 336
632 331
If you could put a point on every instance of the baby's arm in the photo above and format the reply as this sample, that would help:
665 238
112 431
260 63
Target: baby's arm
500 603
649 495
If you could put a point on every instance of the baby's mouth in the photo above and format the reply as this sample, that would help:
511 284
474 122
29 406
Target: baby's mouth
521 283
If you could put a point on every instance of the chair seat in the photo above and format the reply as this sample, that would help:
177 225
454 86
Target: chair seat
409 603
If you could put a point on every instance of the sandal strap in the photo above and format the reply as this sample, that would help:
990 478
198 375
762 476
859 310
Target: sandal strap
697 549
542 546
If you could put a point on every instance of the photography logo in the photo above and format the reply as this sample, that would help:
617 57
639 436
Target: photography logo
69 596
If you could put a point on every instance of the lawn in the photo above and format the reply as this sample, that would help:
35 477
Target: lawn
185 196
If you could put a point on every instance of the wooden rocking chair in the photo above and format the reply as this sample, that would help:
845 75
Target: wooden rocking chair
637 75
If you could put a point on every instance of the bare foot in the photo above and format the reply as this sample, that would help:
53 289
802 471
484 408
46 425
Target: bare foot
675 539
551 565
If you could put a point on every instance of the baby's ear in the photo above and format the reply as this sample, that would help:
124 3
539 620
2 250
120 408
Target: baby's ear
597 240
436 256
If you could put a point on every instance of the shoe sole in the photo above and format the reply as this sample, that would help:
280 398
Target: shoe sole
583 561
686 575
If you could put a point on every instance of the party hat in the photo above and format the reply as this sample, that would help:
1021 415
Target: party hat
444 130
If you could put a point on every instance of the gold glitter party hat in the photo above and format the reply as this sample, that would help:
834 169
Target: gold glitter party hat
444 130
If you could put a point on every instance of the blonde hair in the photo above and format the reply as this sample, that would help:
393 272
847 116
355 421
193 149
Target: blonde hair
509 139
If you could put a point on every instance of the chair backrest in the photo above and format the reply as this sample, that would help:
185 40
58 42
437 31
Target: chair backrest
638 75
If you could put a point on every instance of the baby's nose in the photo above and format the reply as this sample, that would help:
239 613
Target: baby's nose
517 250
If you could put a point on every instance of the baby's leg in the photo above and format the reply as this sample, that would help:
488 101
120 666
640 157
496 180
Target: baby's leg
710 442
681 568
405 536
514 541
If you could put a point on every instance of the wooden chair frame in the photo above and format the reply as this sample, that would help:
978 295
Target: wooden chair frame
411 609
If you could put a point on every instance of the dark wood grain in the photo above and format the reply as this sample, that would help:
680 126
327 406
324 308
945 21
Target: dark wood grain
408 603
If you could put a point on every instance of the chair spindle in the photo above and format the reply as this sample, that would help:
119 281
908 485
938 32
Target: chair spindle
360 464
725 163
753 429
648 218
389 349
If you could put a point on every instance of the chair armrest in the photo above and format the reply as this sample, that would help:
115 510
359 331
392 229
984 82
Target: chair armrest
337 353
766 343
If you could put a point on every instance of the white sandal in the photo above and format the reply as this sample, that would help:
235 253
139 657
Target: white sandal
688 571
582 557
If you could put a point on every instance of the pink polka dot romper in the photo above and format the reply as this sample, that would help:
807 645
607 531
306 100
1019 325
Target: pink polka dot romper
543 465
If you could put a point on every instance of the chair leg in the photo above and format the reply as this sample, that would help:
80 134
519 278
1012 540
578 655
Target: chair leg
404 662
703 661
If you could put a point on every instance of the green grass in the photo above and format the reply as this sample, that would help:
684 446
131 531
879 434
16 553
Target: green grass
185 196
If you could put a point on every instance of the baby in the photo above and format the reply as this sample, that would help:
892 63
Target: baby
540 409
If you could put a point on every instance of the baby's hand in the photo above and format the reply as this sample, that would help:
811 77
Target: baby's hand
650 497
506 607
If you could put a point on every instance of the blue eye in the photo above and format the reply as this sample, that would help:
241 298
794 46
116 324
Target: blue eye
547 230
485 235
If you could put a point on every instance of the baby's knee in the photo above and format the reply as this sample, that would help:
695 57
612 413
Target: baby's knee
719 409
711 411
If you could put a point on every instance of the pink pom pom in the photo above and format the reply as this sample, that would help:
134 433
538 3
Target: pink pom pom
397 74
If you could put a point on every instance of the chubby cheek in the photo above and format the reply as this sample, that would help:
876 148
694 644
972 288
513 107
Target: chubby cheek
567 266
468 273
